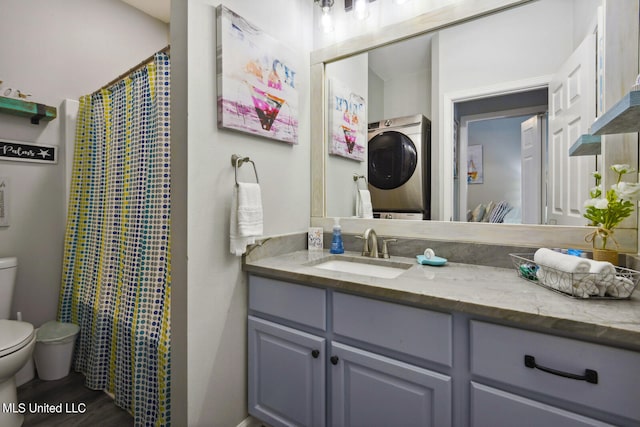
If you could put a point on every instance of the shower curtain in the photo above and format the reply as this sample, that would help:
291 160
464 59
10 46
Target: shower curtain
116 273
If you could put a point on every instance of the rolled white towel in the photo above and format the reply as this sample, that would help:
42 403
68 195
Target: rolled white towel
563 262
603 275
566 273
621 287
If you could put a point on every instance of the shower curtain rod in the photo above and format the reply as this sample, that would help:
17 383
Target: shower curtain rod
142 63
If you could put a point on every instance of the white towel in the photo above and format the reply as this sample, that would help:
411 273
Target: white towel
566 273
364 207
603 275
246 217
621 287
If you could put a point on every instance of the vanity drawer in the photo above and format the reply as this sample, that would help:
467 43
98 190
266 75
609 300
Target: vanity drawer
409 330
498 353
301 304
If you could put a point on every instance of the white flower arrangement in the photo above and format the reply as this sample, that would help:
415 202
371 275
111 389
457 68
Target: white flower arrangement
616 205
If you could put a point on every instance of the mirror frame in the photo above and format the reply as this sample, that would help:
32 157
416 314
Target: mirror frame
506 234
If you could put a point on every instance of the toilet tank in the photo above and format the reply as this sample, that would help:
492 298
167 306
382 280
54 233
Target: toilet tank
8 268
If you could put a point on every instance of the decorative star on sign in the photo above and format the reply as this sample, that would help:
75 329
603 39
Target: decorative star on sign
44 153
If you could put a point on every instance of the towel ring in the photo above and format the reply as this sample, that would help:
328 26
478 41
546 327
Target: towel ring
237 161
356 177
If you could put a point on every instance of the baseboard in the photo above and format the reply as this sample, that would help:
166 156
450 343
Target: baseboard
252 422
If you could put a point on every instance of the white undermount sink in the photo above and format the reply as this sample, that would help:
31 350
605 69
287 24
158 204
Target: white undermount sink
365 267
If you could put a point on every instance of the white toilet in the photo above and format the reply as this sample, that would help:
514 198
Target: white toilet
17 340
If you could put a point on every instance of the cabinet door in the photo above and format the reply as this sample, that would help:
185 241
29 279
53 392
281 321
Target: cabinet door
286 375
369 390
495 408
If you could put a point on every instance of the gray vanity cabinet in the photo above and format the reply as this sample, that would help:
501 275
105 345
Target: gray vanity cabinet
361 376
562 376
491 407
371 390
322 357
286 375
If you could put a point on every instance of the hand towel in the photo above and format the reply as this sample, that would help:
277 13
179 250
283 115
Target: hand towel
565 273
365 209
246 217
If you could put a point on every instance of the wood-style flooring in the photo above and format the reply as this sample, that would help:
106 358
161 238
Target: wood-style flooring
72 394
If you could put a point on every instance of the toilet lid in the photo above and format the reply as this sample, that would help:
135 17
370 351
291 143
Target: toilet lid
14 335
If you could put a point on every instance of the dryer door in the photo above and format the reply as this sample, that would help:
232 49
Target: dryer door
393 159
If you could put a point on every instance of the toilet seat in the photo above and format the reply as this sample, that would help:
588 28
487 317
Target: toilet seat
14 335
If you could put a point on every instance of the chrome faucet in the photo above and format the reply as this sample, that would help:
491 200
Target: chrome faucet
370 251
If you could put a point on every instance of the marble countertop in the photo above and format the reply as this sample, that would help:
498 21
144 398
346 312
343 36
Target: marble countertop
491 292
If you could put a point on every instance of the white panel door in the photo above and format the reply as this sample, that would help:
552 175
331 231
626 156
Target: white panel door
531 170
572 95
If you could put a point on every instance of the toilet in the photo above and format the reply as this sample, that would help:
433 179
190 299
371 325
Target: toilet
17 340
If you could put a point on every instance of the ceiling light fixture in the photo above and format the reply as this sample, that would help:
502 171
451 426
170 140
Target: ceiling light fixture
326 21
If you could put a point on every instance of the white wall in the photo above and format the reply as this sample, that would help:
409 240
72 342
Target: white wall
375 98
211 310
56 50
408 94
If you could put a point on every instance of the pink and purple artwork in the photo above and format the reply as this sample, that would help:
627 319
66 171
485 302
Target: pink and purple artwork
256 80
348 122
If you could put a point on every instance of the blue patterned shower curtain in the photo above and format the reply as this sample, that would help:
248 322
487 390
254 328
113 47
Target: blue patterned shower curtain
116 273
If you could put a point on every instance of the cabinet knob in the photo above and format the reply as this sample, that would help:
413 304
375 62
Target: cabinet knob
315 353
334 360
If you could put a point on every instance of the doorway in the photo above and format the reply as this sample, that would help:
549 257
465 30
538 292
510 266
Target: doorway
494 161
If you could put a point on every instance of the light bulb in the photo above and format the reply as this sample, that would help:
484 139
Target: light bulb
361 9
326 23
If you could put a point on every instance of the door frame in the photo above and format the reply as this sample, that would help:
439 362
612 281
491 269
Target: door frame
443 162
463 143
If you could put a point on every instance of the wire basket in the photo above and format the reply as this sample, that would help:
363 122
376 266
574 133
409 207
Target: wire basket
602 286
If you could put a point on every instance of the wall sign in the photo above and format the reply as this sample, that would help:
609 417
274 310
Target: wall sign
20 151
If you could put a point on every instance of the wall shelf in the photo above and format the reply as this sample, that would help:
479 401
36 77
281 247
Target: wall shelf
32 110
586 145
624 117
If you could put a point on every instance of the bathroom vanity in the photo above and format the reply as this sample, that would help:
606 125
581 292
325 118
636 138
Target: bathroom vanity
457 345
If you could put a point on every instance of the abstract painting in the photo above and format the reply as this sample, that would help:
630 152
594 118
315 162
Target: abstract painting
348 122
257 80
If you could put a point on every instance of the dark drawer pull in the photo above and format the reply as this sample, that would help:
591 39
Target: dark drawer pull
334 360
589 376
315 353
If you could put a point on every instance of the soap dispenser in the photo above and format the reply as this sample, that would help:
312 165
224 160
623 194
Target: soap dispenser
337 247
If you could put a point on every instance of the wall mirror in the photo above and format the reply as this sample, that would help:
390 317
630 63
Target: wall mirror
478 73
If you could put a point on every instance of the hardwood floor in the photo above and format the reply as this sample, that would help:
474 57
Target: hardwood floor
80 406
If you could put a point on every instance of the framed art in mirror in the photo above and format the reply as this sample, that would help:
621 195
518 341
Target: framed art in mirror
348 122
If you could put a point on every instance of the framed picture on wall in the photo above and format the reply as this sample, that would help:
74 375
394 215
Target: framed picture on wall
474 165
347 121
257 80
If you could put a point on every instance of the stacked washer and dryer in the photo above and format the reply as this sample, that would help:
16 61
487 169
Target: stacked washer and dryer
399 169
